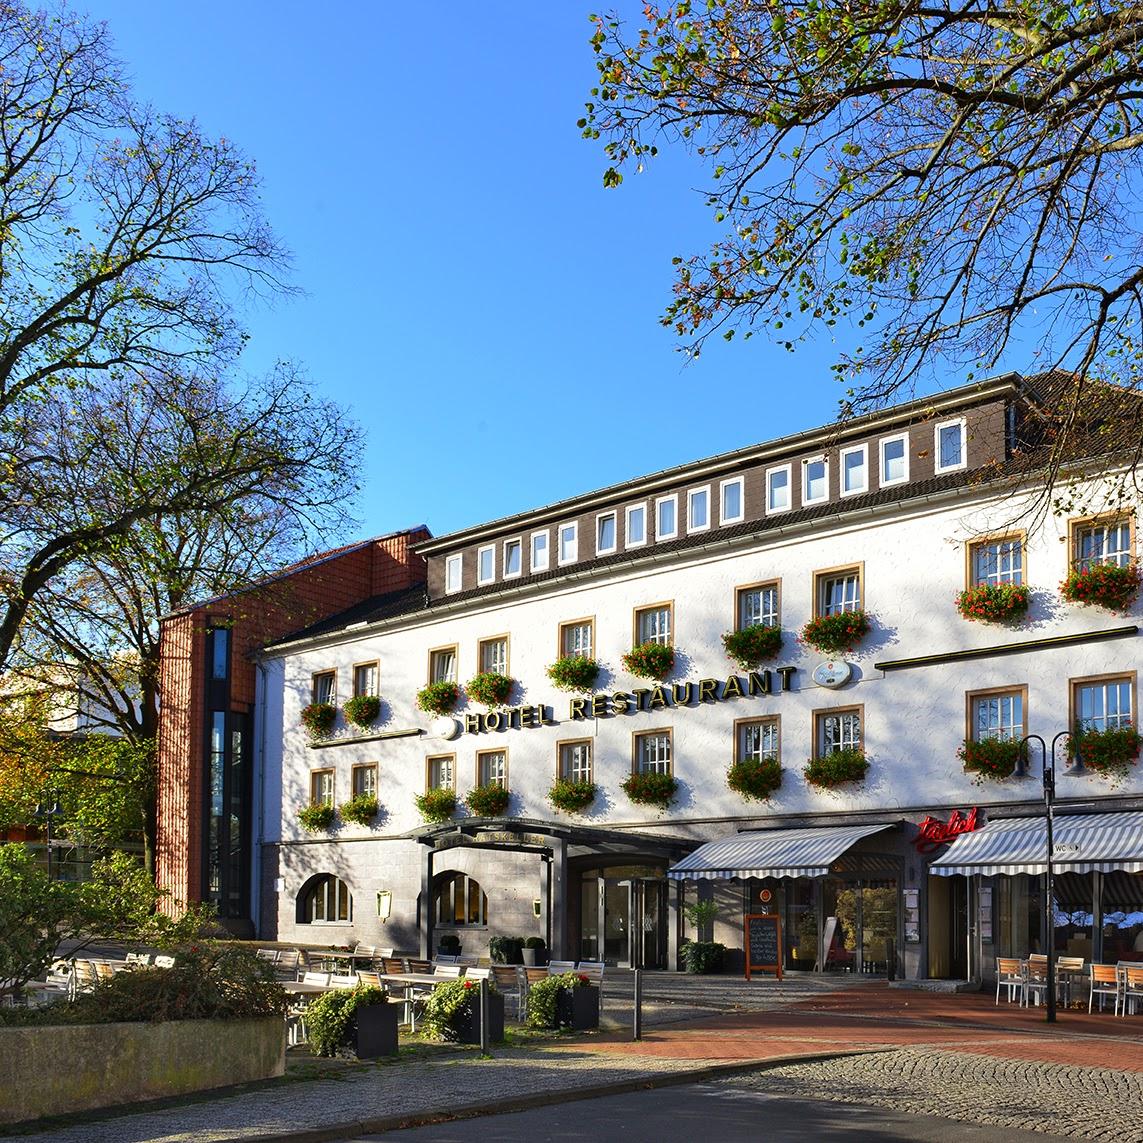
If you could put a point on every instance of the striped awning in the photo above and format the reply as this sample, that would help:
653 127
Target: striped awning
1082 843
771 853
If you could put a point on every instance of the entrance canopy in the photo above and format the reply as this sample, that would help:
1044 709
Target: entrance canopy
1083 843
807 852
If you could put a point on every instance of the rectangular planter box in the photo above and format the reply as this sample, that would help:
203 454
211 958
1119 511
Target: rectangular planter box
377 1031
470 1034
577 1008
66 1068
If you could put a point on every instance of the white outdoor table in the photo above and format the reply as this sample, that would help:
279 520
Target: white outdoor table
412 981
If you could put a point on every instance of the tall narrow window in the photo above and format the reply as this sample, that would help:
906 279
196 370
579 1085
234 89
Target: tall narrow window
219 653
365 679
894 460
698 509
365 780
453 567
778 489
636 525
575 760
442 665
324 686
512 566
569 543
492 768
321 787
653 752
493 655
666 518
653 624
815 480
486 564
854 470
949 444
539 551
440 772
606 539
732 508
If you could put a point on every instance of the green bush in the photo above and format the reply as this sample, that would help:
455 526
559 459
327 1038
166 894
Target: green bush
318 718
755 778
994 602
650 660
318 817
749 646
438 698
361 809
332 1018
651 788
489 800
452 1010
1106 585
702 957
846 765
437 805
571 797
837 633
574 673
505 950
542 997
489 688
362 710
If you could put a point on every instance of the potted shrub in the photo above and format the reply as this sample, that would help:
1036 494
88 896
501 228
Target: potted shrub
563 1001
535 951
571 797
436 805
1107 752
505 950
317 817
994 602
651 788
356 1022
574 673
489 800
755 778
749 646
1105 585
438 698
361 809
452 1012
990 757
489 688
838 633
650 660
318 718
836 768
449 944
362 710
702 957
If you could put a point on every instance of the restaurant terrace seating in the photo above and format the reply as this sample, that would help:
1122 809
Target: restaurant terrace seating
1104 982
593 970
555 967
1010 975
390 964
508 981
1132 978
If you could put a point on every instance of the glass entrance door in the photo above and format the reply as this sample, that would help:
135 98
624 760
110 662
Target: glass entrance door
615 921
623 916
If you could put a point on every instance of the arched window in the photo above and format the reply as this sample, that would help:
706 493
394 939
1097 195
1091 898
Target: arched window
459 900
324 900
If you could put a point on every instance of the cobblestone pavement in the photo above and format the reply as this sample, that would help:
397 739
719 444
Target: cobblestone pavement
1080 1103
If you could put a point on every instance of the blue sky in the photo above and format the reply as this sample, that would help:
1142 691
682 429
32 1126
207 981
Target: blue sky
487 310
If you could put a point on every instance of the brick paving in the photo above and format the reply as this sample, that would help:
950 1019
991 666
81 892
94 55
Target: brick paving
957 1050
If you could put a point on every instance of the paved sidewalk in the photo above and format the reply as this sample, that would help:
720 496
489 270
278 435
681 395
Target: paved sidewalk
743 1026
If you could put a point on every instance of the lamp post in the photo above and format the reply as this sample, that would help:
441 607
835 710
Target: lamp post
1049 778
47 814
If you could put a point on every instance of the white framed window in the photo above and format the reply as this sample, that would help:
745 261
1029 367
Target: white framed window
653 624
327 901
365 780
998 561
540 553
1101 542
732 501
486 564
606 533
493 654
778 489
839 591
653 752
894 459
838 730
365 679
666 517
698 509
949 446
513 558
636 526
324 687
440 772
442 665
453 569
321 787
1103 704
757 606
997 714
568 551
577 638
854 466
815 480
756 739
575 760
492 768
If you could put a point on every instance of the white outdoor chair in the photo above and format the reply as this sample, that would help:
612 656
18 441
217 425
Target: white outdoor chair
555 967
342 980
321 978
593 970
453 971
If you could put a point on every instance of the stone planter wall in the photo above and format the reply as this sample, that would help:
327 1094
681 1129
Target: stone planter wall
68 1068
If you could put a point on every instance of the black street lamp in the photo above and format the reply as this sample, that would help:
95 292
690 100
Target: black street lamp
1049 776
47 814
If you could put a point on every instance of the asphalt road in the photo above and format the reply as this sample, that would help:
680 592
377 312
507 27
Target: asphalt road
720 1113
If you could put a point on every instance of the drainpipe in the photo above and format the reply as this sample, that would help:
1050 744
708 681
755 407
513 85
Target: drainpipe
260 785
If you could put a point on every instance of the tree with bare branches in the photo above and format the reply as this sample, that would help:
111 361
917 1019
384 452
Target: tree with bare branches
955 180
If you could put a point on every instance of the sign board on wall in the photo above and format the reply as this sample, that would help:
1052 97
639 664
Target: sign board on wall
763 941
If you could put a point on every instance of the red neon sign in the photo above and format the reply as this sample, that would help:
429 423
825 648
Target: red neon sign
932 833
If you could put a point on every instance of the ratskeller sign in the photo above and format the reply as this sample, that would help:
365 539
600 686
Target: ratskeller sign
630 702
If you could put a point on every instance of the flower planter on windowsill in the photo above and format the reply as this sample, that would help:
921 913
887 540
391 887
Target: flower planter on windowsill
489 688
651 788
995 758
836 634
578 1008
1104 585
650 661
318 718
574 673
749 646
438 698
1108 753
837 768
994 603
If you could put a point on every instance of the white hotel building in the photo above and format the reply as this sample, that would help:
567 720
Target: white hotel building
892 514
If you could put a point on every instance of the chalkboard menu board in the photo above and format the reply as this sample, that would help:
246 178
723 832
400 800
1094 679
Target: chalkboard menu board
763 943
